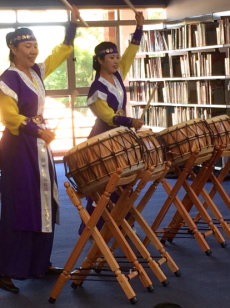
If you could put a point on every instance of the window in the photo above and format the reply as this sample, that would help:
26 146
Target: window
84 44
25 16
4 50
7 17
156 14
97 15
72 121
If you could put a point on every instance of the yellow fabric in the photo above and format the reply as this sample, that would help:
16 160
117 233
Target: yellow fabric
101 109
10 113
127 59
9 110
59 54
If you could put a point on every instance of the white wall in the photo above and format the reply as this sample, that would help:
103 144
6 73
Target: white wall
179 9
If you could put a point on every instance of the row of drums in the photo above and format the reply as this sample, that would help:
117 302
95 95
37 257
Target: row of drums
90 164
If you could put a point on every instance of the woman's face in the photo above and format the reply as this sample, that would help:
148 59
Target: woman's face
26 53
110 63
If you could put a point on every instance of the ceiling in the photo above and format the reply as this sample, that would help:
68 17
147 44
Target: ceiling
28 4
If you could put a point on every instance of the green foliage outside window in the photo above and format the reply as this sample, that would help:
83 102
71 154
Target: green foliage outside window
58 79
83 64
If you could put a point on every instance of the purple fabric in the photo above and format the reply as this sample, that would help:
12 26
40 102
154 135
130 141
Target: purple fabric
122 121
30 128
23 254
136 39
70 33
24 249
21 35
101 126
90 208
19 156
111 98
106 51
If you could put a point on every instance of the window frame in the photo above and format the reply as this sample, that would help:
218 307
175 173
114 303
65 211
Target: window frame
71 87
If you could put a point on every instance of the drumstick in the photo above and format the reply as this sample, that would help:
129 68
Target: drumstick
69 6
58 123
131 6
148 103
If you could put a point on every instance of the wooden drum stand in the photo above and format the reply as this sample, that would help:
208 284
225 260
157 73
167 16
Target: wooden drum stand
91 230
182 215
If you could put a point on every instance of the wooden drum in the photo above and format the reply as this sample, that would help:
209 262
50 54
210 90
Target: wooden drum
220 127
154 149
92 162
187 137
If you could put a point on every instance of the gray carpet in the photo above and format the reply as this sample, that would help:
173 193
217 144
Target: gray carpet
204 282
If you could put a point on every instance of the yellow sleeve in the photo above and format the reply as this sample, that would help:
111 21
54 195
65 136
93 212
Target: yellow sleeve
101 109
59 54
10 113
127 59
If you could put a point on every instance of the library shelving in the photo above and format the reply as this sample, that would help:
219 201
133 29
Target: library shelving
189 61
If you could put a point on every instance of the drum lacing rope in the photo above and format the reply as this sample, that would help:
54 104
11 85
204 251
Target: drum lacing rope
113 151
133 138
141 146
163 145
85 156
188 129
96 149
158 148
210 132
206 134
68 174
220 134
89 164
176 142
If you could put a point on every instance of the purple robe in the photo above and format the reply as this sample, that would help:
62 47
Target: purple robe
28 184
114 96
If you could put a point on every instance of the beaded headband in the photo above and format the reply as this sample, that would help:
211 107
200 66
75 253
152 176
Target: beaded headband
20 35
22 38
107 51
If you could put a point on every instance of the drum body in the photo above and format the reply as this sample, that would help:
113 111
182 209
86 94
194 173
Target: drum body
187 137
220 127
154 149
92 162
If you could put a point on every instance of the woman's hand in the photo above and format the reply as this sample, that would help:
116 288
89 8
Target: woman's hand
137 123
47 135
75 14
140 19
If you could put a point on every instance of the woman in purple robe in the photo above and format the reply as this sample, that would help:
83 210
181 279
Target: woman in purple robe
30 205
107 94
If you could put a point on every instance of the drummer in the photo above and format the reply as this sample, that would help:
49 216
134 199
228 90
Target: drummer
29 188
107 94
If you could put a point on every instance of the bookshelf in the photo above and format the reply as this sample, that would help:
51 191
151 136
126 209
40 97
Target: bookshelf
190 63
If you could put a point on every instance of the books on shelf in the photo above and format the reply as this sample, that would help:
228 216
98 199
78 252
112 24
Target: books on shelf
190 35
190 79
164 117
140 91
154 116
210 92
199 64
183 114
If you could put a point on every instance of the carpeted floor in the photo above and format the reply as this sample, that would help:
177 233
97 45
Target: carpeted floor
204 282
